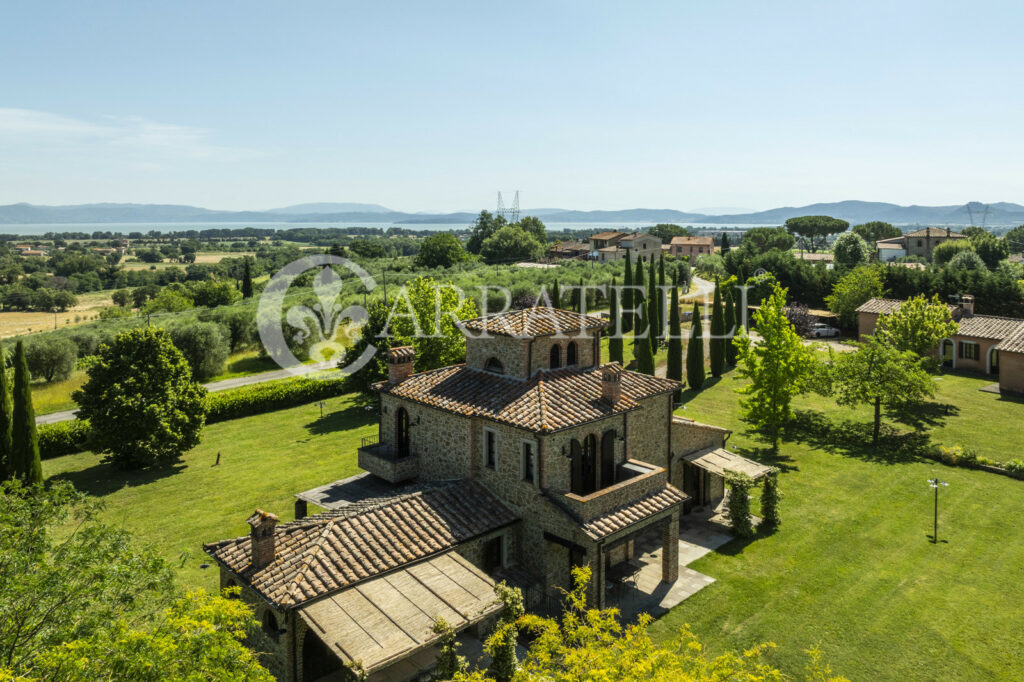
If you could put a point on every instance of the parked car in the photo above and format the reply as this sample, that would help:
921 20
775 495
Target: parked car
821 331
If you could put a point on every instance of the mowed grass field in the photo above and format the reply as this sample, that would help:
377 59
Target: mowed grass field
852 569
88 308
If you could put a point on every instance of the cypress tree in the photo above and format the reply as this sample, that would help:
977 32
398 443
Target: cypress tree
246 279
627 295
717 334
730 322
675 342
638 295
725 243
653 310
24 441
6 414
555 303
615 340
662 322
695 353
581 298
642 349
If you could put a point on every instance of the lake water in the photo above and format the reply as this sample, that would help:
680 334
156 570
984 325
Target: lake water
124 228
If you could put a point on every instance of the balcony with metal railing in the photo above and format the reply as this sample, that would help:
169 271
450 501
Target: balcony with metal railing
384 460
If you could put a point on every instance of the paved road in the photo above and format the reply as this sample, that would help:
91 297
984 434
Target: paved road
54 417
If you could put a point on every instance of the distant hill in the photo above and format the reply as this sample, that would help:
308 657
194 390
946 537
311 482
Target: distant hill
998 214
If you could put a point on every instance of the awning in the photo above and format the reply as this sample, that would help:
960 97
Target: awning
720 461
383 620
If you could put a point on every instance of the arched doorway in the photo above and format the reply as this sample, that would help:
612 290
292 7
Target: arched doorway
402 432
608 458
570 354
576 455
589 467
555 357
992 361
317 660
947 353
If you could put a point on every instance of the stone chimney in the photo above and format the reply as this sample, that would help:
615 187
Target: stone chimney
967 305
400 362
262 525
611 383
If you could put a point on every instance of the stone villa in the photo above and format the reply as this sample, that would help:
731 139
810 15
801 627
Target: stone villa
988 344
530 458
918 243
611 246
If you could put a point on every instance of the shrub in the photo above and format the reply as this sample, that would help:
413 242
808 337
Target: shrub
63 438
85 341
268 397
205 347
51 359
1015 467
739 504
851 250
957 456
966 260
770 497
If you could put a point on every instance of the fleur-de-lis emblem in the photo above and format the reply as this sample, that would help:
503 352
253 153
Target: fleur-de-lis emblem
324 319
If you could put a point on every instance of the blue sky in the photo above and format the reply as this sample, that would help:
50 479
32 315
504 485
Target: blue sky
435 106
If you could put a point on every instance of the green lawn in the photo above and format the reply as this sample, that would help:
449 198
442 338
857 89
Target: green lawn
852 570
265 459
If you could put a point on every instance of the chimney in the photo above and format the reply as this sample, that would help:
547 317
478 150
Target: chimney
967 304
611 382
262 525
400 363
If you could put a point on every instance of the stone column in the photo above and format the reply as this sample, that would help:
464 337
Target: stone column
670 549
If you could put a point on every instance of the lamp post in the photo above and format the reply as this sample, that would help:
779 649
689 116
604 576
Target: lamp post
935 483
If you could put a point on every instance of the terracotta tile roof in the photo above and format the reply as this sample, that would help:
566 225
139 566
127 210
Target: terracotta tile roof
989 326
328 552
935 232
546 402
887 306
695 241
612 234
1013 343
631 513
537 321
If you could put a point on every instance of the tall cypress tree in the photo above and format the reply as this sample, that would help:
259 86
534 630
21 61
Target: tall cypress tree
246 278
581 298
555 302
653 310
6 415
717 334
730 332
24 441
638 295
627 295
642 349
662 322
675 342
695 353
615 340
725 243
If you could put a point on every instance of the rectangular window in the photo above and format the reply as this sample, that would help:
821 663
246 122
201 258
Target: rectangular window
919 243
970 350
528 467
490 448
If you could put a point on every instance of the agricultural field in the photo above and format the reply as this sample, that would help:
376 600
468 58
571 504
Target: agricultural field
87 310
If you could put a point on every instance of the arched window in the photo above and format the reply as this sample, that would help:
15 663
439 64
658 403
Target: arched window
402 432
570 354
555 357
608 458
589 464
576 451
270 625
494 365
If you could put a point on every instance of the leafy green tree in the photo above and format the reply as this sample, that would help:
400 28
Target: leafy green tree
642 346
1014 239
944 252
168 301
815 229
615 338
730 332
511 243
763 239
917 326
247 278
143 406
851 250
878 374
665 232
441 250
24 441
990 248
205 346
675 341
695 353
51 359
212 293
718 342
534 226
121 297
967 260
853 290
777 367
6 416
876 230
484 226
627 295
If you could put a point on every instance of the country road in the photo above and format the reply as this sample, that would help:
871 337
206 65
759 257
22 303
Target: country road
237 382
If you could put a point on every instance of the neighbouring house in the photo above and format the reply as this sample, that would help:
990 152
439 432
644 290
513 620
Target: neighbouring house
918 243
603 240
828 258
569 249
983 343
612 246
33 252
691 247
530 458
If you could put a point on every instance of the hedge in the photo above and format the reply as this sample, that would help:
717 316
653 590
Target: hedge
277 395
62 438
